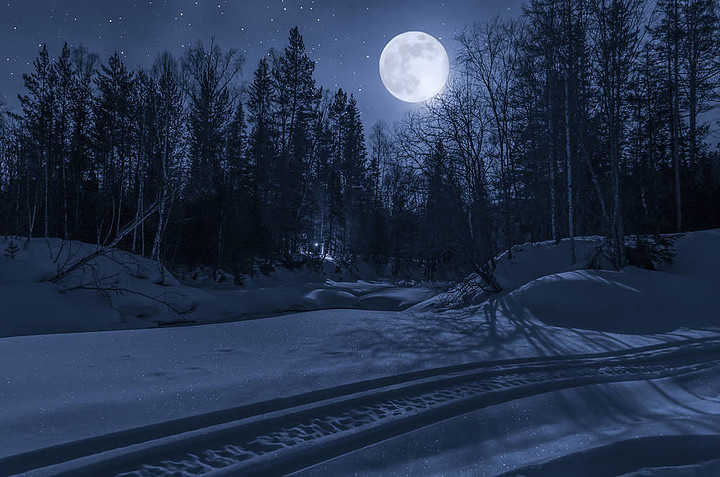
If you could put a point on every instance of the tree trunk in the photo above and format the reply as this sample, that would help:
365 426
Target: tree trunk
65 197
675 122
155 253
551 161
47 192
568 157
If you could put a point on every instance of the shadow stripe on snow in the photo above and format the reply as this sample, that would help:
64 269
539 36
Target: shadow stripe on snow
254 417
218 455
627 456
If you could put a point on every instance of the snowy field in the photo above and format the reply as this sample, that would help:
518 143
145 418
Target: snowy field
120 291
125 371
667 417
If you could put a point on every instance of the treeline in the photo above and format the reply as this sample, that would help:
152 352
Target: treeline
227 175
580 117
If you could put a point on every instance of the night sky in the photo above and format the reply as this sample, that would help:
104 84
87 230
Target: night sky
344 37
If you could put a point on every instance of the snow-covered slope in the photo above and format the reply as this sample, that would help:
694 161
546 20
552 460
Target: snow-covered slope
528 262
60 388
534 260
683 294
540 282
124 291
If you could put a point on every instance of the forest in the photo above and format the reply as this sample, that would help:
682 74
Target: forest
580 117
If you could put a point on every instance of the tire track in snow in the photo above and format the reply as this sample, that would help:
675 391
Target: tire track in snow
289 434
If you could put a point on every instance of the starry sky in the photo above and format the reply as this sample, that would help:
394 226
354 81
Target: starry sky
344 37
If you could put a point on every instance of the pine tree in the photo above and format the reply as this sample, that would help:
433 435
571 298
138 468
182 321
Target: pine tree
113 140
38 118
355 186
380 144
210 73
262 157
169 129
63 73
239 192
295 98
438 225
617 34
83 175
334 232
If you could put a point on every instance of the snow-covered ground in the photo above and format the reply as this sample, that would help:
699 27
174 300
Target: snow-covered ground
541 428
121 291
682 294
63 387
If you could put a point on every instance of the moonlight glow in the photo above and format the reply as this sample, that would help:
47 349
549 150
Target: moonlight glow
414 66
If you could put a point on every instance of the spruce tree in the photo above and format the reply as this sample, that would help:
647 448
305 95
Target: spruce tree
262 158
295 100
38 119
210 74
112 137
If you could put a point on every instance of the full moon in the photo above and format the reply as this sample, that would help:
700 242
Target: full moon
414 66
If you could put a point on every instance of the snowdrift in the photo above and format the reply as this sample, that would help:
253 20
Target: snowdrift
540 283
120 290
535 260
528 262
683 294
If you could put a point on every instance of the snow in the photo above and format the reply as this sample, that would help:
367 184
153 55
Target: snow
630 301
142 296
698 255
711 467
529 261
124 371
535 260
60 388
684 294
539 429
393 299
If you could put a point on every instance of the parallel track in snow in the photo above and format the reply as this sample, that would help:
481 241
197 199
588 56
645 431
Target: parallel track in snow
289 434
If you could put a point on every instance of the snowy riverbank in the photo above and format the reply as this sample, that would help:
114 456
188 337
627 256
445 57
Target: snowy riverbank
59 388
